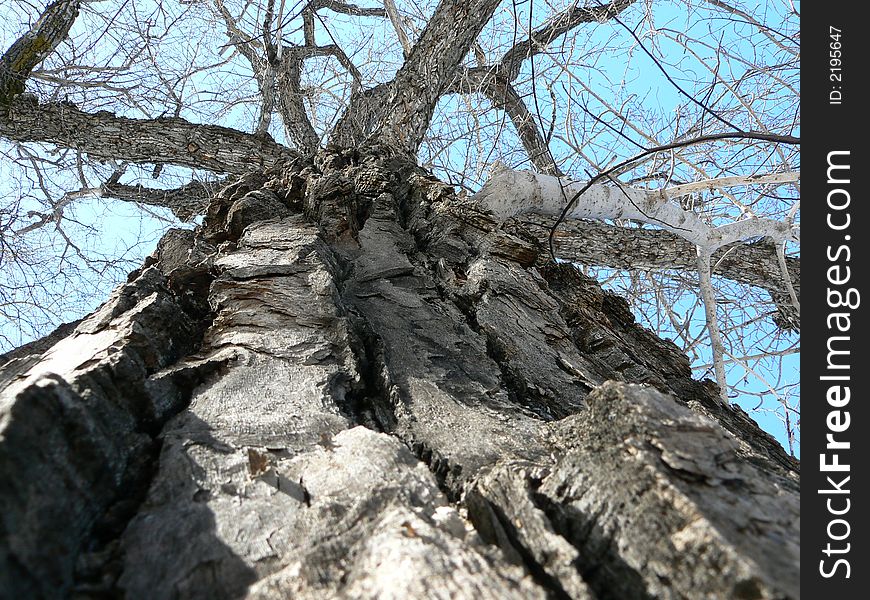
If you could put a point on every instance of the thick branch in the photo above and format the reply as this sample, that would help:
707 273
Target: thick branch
165 140
292 107
603 245
431 67
185 202
251 49
510 193
35 46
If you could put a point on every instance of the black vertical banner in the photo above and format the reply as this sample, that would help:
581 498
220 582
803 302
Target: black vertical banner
835 424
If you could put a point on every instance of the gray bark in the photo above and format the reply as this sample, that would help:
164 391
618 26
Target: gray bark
350 383
170 140
602 245
36 45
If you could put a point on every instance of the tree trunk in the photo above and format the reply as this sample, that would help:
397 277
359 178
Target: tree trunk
349 382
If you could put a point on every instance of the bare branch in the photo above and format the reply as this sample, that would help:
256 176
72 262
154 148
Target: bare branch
172 140
185 202
495 82
503 96
573 16
396 21
33 47
708 297
750 19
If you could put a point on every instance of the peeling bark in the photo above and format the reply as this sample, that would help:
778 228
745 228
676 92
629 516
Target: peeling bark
350 382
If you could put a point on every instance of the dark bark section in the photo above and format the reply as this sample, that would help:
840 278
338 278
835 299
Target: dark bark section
78 425
185 202
389 398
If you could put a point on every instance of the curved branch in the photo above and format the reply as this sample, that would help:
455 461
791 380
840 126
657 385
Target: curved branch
561 24
495 82
164 140
504 96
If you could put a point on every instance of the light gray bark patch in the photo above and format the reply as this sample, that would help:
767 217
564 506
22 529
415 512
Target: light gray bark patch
378 526
214 518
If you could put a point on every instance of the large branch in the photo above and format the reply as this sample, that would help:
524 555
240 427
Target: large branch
603 245
511 193
33 47
433 64
185 202
164 140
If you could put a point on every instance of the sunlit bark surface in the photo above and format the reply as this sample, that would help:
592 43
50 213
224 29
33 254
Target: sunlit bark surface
349 381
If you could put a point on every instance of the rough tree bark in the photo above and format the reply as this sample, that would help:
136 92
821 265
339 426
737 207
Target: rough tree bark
350 382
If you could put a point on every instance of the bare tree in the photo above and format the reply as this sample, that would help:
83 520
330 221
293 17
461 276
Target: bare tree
380 364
